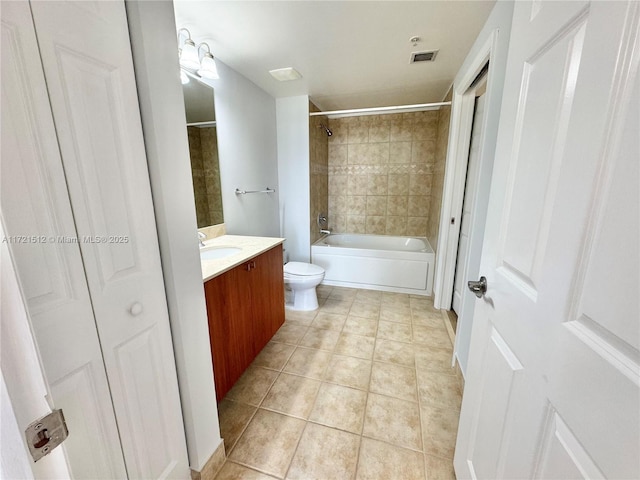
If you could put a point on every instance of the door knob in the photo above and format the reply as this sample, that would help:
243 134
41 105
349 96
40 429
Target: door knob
479 288
135 309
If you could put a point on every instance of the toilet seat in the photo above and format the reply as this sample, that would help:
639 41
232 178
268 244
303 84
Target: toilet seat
302 269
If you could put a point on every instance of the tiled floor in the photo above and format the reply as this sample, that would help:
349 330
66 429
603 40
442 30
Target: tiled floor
361 388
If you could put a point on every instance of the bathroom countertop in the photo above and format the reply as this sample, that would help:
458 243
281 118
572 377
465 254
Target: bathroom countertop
251 247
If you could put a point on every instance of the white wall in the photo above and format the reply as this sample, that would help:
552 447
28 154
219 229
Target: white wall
246 127
499 20
153 40
293 174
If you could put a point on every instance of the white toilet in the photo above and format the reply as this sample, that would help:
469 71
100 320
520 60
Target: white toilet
303 278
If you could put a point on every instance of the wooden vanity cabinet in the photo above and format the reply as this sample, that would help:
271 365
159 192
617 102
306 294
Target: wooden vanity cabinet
245 307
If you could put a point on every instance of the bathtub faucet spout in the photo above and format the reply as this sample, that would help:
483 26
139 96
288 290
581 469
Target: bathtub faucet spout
327 232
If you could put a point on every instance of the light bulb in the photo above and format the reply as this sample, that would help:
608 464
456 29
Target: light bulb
189 55
208 67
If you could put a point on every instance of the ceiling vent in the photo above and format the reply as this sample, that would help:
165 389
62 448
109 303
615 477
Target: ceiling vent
428 56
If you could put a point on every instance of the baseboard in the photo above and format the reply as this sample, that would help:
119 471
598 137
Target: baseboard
213 465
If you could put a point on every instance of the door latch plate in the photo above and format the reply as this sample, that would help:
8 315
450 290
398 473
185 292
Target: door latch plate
46 433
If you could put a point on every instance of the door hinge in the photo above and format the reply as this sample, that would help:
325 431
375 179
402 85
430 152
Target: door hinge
46 433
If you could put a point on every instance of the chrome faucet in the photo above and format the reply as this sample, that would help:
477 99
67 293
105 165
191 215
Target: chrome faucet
201 237
322 222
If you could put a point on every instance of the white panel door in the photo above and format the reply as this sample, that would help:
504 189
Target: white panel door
470 187
38 220
88 67
553 380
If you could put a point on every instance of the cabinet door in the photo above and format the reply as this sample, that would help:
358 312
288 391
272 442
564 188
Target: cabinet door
267 296
86 56
228 311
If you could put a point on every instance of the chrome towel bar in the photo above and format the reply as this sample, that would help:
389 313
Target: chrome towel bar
244 192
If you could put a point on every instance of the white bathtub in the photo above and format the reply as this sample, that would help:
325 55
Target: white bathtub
376 262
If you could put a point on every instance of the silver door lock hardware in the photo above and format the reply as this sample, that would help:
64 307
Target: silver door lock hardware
479 288
46 433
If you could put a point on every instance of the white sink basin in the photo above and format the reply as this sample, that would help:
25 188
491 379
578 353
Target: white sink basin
212 253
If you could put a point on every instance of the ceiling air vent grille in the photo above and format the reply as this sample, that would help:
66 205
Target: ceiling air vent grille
429 56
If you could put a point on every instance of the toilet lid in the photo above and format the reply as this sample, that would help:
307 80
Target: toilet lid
303 269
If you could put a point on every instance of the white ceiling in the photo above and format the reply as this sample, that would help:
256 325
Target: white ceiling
352 54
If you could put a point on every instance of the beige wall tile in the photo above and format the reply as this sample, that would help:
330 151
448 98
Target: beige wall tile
397 205
379 132
376 205
377 184
400 132
423 152
420 184
417 226
357 154
340 133
400 152
357 184
418 206
356 204
337 185
386 155
376 225
338 223
337 205
337 154
396 226
358 133
356 224
398 184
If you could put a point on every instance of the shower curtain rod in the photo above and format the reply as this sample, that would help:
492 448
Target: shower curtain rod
380 109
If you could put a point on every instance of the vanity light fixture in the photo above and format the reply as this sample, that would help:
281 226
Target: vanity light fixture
208 67
191 58
187 50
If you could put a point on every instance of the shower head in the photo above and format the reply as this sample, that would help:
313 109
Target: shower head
326 129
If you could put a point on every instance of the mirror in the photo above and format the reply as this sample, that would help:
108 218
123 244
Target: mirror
203 150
